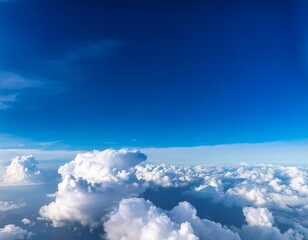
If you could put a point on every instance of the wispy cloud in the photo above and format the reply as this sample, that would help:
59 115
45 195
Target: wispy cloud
5 100
67 62
13 84
90 50
8 141
12 146
13 81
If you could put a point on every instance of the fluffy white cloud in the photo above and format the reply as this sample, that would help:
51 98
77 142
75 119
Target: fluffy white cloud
260 226
26 221
203 228
258 216
8 206
275 187
167 176
102 166
92 184
21 171
137 218
12 232
280 189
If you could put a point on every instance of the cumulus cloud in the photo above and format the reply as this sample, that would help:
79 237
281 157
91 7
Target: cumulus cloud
167 176
258 216
137 218
92 184
266 191
26 221
21 171
268 186
12 232
260 226
8 206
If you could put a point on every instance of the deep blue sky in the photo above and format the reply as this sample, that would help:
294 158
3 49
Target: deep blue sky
94 74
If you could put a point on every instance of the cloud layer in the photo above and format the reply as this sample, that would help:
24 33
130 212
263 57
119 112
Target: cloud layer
100 188
264 191
92 184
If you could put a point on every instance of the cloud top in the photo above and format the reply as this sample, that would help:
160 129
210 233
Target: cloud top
12 232
258 216
22 170
137 218
92 184
99 166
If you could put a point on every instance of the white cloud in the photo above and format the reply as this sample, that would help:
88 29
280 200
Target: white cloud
258 216
12 232
268 186
21 171
258 188
167 176
8 206
137 218
26 221
92 184
95 182
203 228
260 226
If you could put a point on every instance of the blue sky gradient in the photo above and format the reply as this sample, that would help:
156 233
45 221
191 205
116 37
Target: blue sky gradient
97 74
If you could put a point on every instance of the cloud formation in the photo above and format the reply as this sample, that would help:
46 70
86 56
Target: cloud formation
8 206
92 184
260 226
22 170
137 218
167 176
6 100
13 84
13 81
26 221
264 191
258 216
12 232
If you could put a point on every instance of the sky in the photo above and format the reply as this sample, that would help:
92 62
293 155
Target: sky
98 74
171 119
